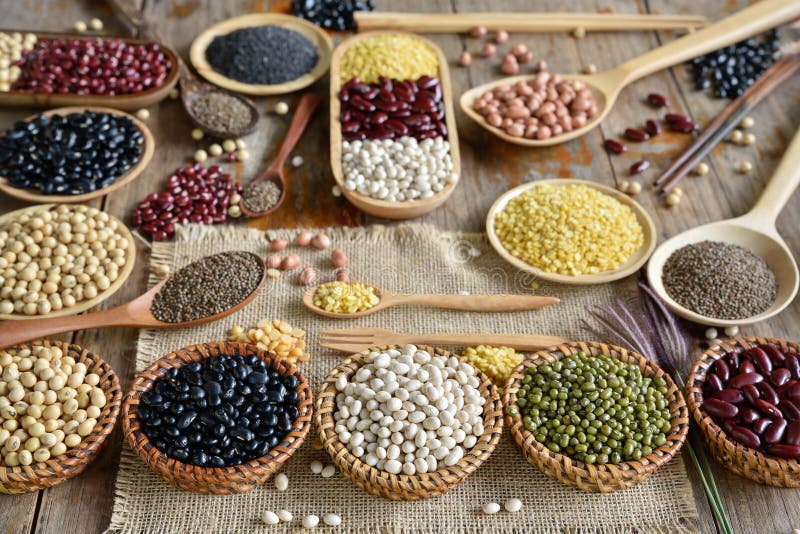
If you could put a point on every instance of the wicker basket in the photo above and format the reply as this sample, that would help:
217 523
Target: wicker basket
15 480
404 487
601 478
742 460
216 480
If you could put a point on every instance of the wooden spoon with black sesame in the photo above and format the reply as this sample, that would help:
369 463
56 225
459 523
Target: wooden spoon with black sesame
202 292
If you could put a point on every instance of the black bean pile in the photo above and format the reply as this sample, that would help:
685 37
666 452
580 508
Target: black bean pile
719 280
265 55
208 286
731 70
331 14
71 154
223 411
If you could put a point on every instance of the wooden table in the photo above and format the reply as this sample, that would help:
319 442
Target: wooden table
490 167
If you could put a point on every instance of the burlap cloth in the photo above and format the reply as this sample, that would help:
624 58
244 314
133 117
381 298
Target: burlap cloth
407 258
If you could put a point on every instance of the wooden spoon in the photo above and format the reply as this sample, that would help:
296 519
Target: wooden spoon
607 85
305 110
754 231
136 313
476 303
192 87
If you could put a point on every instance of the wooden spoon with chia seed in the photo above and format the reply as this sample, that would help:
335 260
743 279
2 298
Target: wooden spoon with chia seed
137 313
193 89
305 110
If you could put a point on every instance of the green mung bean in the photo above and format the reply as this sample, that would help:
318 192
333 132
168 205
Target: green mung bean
596 409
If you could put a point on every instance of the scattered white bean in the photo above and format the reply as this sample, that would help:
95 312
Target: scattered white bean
332 520
732 331
297 161
310 521
491 508
513 505
281 482
328 471
711 333
285 515
316 467
270 518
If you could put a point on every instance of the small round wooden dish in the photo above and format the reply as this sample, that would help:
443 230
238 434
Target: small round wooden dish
597 478
24 479
214 480
134 101
742 460
382 208
148 147
404 487
320 39
124 272
633 264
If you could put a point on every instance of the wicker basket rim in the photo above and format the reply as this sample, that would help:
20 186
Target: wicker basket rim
696 379
85 451
140 442
652 461
324 412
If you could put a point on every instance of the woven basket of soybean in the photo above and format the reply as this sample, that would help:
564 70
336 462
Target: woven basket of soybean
742 460
216 480
40 475
598 478
402 487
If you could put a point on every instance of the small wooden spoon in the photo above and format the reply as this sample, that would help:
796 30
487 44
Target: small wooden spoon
476 303
305 110
136 313
754 231
607 85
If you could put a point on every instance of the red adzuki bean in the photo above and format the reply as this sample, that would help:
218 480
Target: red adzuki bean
794 390
722 370
634 134
612 145
761 360
792 435
749 416
760 426
640 166
784 451
733 362
775 355
745 378
767 408
793 364
734 396
751 393
714 383
789 410
683 126
780 376
652 127
657 100
746 437
747 367
677 117
775 431
767 393
719 408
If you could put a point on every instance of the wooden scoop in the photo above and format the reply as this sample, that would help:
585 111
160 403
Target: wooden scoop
136 313
476 303
607 85
754 231
305 110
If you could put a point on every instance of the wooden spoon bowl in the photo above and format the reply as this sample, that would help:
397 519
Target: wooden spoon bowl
136 314
192 88
634 262
148 148
606 86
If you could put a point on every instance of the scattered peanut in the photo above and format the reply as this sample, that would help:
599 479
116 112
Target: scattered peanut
477 31
290 262
303 239
338 258
342 275
307 276
488 50
273 261
278 244
501 37
321 241
464 59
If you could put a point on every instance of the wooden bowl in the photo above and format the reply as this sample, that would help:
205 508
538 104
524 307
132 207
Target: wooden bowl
215 480
742 460
148 147
598 478
404 487
635 261
127 102
24 479
382 208
124 272
320 39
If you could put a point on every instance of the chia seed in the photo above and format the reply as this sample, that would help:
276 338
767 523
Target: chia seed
265 55
261 196
221 112
719 280
208 286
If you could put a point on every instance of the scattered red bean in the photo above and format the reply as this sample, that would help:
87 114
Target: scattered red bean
677 117
392 108
501 36
543 107
477 31
634 134
194 194
652 127
763 417
612 145
683 127
100 66
465 59
488 50
510 66
657 100
640 166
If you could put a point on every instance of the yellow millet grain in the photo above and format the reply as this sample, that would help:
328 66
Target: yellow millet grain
496 362
394 56
569 230
345 297
279 336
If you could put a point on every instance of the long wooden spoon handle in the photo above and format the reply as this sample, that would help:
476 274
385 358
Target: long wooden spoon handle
750 21
784 181
16 332
516 341
305 110
480 303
